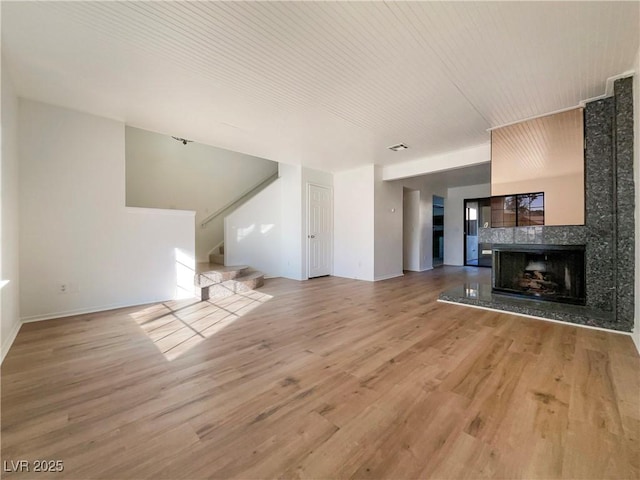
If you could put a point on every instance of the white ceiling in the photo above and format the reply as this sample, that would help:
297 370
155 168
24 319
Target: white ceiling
329 84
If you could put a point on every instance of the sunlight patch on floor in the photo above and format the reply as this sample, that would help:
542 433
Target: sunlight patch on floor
178 325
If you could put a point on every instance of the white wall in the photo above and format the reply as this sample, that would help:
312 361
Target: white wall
411 230
291 214
426 227
425 217
253 232
163 173
269 232
353 194
636 166
454 220
75 228
9 299
387 228
465 157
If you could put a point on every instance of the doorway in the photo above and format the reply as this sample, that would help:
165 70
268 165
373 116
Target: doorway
477 214
319 231
438 231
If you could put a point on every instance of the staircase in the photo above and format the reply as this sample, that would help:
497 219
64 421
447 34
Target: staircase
217 258
216 280
211 230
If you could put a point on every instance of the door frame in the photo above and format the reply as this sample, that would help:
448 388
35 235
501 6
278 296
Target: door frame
464 230
433 230
308 232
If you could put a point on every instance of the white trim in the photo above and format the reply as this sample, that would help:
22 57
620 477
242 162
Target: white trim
82 311
608 91
636 341
580 105
6 345
569 324
583 103
355 278
161 211
3 283
387 277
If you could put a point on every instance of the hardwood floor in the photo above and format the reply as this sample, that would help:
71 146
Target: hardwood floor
329 378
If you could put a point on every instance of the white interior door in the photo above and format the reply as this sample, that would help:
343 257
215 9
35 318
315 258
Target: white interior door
319 231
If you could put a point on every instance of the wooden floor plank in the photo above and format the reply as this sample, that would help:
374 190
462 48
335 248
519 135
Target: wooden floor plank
328 378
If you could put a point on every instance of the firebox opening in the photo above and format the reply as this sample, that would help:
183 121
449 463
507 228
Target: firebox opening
545 272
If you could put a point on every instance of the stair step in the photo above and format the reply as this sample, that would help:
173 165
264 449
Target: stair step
251 280
219 290
218 275
217 258
247 281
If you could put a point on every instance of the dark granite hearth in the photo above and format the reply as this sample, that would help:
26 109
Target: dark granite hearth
480 295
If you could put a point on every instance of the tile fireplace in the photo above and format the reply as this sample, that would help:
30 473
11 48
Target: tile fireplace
604 294
553 273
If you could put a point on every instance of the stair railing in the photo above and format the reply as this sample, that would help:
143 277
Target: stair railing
241 199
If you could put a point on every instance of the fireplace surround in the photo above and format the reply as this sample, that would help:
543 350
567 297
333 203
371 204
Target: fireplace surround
607 235
553 273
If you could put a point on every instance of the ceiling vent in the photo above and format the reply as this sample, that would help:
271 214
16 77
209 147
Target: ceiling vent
398 148
183 141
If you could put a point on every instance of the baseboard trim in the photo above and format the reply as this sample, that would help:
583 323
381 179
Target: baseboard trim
636 341
83 311
608 330
354 278
6 345
387 277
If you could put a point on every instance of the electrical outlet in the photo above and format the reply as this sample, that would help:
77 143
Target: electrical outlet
63 288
